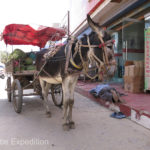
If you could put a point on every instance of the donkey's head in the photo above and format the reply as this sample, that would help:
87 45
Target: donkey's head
104 51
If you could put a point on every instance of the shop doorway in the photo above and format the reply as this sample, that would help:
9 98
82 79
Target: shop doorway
129 45
132 40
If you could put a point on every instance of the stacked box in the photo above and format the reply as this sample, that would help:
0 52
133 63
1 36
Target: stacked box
134 77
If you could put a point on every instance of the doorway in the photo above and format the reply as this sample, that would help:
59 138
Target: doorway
132 40
129 46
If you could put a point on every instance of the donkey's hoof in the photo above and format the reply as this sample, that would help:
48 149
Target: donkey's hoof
72 125
66 127
48 114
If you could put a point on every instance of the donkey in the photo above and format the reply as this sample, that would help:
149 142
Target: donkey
89 47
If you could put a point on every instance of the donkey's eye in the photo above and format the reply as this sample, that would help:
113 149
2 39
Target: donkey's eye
109 57
110 47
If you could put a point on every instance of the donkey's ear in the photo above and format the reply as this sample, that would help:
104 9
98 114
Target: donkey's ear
91 23
95 27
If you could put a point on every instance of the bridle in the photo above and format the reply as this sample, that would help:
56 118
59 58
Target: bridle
84 64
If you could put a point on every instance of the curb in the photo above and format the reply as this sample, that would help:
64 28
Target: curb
138 116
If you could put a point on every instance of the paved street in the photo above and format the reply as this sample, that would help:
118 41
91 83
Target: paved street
95 129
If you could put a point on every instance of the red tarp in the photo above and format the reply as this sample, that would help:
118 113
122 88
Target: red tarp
19 34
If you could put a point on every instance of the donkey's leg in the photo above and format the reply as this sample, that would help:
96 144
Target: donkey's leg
65 104
72 85
68 86
45 89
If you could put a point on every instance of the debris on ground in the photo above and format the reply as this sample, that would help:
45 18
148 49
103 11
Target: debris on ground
106 92
118 115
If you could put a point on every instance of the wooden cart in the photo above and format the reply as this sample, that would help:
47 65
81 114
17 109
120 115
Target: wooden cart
20 81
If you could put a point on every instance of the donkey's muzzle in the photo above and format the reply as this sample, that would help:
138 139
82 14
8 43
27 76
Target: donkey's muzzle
111 71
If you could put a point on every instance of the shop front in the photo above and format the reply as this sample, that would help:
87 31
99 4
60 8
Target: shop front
125 19
129 44
147 52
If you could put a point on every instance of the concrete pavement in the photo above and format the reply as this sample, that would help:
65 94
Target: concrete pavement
95 129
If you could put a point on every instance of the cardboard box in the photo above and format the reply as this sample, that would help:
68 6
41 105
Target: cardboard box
126 71
136 71
134 76
133 88
128 63
134 84
140 66
139 63
136 87
129 79
134 68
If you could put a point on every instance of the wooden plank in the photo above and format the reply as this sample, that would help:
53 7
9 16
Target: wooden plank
26 72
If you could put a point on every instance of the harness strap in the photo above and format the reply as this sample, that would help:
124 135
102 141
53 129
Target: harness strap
37 73
106 43
75 65
69 57
92 56
68 53
52 52
85 63
104 47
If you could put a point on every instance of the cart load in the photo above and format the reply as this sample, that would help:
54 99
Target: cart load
16 55
18 60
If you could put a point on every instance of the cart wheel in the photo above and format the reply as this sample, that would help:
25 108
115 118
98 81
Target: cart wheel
9 89
57 94
17 96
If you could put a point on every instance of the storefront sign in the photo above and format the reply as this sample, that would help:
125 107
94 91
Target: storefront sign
147 59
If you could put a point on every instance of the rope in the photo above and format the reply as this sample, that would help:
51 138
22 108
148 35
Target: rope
47 56
92 55
68 53
105 53
36 76
85 63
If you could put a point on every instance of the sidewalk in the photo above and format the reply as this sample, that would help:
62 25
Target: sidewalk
137 106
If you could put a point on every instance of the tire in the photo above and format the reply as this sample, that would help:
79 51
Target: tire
57 94
9 89
17 96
